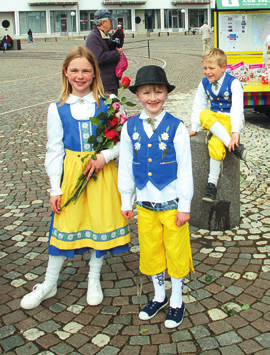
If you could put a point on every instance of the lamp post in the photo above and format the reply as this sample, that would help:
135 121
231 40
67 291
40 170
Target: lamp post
183 12
72 14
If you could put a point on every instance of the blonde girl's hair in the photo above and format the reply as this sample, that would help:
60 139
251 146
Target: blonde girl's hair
215 55
96 86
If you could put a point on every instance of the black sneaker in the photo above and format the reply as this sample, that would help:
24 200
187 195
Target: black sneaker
174 317
240 152
151 309
210 193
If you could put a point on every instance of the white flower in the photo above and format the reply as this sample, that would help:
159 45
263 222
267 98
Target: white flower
86 135
122 231
226 95
104 237
137 146
135 135
60 236
85 125
87 146
94 236
165 136
87 234
70 237
79 235
55 232
113 235
162 146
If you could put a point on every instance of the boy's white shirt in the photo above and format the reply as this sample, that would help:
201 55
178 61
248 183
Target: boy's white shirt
55 147
181 188
237 109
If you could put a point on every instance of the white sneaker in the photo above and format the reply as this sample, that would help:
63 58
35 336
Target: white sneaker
94 292
40 293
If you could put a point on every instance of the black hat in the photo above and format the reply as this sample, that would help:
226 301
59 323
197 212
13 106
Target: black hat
151 74
103 14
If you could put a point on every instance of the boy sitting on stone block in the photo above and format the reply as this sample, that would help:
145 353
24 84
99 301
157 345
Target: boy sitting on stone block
225 117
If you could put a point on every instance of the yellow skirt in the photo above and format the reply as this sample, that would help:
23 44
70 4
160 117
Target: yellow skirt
95 221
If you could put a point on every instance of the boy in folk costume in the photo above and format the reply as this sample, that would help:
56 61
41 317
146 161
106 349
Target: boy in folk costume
225 117
155 160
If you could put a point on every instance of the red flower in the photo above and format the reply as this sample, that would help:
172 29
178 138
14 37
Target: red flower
112 135
125 82
114 121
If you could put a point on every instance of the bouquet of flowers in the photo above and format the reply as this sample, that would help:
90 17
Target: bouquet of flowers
109 126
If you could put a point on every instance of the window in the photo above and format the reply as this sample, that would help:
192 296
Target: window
36 20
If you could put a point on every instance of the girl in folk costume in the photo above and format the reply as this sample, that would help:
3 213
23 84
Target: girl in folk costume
94 223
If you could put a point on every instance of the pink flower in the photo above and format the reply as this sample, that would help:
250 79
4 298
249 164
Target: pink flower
116 106
123 118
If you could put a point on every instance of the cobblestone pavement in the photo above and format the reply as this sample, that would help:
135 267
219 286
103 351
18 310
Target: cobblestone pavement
231 315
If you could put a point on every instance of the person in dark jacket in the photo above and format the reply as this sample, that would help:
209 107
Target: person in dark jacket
100 43
119 33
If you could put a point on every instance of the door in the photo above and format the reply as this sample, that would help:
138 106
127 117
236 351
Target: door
63 25
175 24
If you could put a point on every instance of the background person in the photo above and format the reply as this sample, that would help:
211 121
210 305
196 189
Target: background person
30 36
119 33
99 42
205 31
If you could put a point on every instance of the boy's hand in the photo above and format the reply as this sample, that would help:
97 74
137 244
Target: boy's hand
95 165
181 218
234 141
127 214
55 203
192 133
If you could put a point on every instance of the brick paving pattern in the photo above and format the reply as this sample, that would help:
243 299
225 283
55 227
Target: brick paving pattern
231 314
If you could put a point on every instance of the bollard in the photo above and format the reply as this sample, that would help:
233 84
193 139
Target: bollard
224 214
158 34
132 35
168 33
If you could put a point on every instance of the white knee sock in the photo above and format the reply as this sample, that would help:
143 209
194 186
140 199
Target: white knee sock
220 132
55 264
177 289
95 265
214 171
159 286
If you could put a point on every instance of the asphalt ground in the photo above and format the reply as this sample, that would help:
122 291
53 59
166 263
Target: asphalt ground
231 314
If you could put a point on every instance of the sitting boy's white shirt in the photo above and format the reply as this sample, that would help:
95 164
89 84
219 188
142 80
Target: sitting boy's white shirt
181 188
237 109
55 146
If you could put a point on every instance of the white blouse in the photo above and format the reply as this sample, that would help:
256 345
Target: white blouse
81 108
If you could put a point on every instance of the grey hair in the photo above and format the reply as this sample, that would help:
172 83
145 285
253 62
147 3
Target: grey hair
98 21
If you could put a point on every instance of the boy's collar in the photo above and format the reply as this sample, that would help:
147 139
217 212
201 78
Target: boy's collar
159 117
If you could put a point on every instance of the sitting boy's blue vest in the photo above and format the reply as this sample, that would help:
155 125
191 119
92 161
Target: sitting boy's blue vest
77 132
223 101
154 158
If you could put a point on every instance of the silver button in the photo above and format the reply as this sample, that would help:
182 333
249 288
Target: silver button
81 101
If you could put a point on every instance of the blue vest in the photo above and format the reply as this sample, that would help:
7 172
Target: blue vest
77 132
154 158
223 101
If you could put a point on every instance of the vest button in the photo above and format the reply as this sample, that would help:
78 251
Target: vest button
221 109
150 160
149 174
149 145
218 98
220 104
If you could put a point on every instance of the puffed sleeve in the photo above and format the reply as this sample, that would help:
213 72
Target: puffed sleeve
55 150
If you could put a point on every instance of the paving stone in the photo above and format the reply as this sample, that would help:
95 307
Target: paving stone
6 331
62 349
200 332
228 338
264 340
139 340
208 343
167 349
49 326
231 349
28 349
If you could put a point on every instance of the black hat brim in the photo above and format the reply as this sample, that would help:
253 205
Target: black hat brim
133 88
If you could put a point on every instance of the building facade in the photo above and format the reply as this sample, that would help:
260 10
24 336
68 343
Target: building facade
68 17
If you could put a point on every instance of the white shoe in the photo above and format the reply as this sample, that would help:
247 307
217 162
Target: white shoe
94 292
40 293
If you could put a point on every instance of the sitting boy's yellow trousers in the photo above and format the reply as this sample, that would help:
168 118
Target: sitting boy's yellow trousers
163 245
216 148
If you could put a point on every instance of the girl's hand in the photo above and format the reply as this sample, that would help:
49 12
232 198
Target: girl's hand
181 218
55 203
234 141
94 165
127 214
192 133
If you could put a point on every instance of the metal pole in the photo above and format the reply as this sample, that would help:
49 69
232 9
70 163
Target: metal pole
148 49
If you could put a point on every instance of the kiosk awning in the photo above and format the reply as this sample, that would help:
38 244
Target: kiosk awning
243 5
